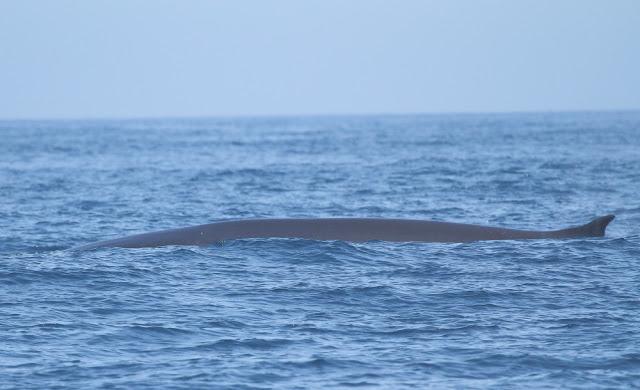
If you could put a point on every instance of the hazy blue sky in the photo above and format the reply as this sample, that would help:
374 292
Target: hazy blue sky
178 58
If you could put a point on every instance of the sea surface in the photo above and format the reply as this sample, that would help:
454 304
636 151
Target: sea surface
302 314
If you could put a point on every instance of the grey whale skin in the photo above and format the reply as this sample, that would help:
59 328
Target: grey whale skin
344 229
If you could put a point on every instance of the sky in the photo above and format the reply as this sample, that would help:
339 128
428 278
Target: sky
159 58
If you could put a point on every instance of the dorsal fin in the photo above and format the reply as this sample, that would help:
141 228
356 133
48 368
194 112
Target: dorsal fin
597 227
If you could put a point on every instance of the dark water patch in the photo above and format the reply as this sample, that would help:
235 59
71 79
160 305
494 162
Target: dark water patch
244 344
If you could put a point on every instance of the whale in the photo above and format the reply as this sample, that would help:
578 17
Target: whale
344 229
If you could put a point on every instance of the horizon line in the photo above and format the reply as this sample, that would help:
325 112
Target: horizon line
312 115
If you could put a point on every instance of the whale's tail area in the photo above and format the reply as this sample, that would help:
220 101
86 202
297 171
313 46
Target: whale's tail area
597 227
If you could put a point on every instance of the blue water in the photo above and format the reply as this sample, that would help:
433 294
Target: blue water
289 313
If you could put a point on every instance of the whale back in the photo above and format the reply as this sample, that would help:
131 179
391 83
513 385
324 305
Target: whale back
345 229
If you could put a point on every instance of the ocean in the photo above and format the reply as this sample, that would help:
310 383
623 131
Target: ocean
302 314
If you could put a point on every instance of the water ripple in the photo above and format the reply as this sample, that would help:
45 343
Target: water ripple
291 313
